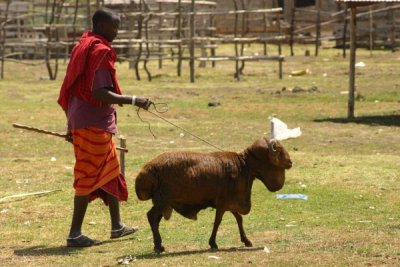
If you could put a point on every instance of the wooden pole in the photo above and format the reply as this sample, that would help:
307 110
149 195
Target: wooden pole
122 144
265 27
353 41
192 27
212 25
237 74
146 33
160 49
318 28
3 39
292 25
344 36
130 51
49 32
179 37
371 31
243 34
278 19
139 36
393 29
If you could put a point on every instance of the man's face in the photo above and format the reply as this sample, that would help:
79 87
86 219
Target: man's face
110 28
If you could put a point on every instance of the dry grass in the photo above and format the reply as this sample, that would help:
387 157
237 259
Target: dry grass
350 168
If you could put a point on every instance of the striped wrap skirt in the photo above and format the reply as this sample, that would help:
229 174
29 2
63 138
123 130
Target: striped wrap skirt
97 170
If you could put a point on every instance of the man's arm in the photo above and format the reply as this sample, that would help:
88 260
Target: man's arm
106 96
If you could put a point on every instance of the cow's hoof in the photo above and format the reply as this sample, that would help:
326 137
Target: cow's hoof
248 243
159 249
213 247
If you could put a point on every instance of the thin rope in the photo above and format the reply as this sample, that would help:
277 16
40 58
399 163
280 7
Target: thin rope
165 109
173 124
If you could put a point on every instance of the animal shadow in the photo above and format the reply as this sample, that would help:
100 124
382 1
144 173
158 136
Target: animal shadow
383 120
153 255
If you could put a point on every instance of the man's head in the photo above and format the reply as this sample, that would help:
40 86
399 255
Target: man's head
106 23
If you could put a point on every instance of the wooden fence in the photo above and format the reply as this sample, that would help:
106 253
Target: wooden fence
159 30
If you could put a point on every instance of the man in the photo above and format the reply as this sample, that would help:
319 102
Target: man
89 90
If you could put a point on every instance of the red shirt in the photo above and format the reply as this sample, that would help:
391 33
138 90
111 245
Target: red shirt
82 114
92 53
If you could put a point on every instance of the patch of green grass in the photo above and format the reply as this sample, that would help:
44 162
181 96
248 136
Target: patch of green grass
349 169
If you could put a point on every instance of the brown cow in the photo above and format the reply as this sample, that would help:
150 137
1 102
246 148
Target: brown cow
188 182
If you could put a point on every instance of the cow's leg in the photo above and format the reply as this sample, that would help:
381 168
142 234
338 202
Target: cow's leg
154 216
218 217
243 237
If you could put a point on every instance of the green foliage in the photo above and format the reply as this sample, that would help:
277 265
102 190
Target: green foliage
348 169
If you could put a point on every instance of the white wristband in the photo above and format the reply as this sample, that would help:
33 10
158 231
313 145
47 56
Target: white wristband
133 100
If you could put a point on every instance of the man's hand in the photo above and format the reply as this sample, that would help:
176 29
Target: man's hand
143 102
68 137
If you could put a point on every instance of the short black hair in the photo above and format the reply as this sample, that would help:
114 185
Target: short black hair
103 15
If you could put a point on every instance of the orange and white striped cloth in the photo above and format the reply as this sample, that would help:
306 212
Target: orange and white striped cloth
97 165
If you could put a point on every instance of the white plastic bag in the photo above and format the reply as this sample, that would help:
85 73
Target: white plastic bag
280 131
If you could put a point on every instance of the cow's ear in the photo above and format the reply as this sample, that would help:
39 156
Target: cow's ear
266 140
260 148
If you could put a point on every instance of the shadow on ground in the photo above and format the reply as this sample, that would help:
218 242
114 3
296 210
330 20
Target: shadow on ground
154 255
383 120
57 250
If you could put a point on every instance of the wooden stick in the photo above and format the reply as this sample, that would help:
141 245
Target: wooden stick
3 199
38 130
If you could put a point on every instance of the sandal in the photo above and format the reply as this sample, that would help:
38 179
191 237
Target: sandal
82 241
125 230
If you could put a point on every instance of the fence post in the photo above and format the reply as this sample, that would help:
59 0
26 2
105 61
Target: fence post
122 144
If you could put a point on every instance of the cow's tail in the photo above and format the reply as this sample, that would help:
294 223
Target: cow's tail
145 184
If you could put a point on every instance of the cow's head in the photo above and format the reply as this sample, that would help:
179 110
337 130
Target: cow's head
269 159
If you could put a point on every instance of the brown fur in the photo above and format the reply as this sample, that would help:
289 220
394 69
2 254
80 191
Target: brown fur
188 182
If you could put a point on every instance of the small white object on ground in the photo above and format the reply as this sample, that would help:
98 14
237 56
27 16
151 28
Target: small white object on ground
292 196
291 224
360 64
126 260
365 221
266 250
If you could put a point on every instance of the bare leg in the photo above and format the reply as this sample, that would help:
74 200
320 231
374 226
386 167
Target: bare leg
243 236
80 206
218 218
154 217
113 205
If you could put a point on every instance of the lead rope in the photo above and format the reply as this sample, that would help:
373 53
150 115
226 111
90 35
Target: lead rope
158 110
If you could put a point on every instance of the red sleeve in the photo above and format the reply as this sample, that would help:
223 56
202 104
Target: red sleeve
107 62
